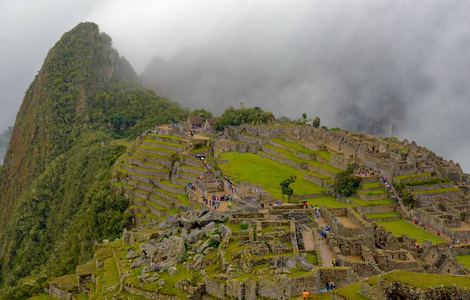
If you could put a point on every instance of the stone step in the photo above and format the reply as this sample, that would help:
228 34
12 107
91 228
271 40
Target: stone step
169 139
161 201
170 187
156 151
164 145
154 158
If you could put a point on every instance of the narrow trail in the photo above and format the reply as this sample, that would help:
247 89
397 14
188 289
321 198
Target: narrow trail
325 253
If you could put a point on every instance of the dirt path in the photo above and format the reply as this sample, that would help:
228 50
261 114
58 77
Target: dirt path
325 253
309 240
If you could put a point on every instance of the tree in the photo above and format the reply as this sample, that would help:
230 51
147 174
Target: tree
346 183
304 118
316 122
285 186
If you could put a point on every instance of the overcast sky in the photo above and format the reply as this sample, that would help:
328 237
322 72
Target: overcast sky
355 64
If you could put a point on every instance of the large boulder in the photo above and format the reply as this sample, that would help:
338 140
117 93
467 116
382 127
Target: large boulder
170 221
171 248
195 235
224 230
212 216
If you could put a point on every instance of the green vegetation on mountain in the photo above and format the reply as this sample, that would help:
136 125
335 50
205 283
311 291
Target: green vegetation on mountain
56 199
233 117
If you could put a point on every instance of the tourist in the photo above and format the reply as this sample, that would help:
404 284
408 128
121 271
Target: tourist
305 294
438 233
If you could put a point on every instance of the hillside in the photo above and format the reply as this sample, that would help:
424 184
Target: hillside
4 139
261 247
55 195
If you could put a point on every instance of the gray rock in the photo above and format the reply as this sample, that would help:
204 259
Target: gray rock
139 262
216 237
208 250
304 263
200 262
212 216
169 252
209 227
196 235
170 221
203 246
147 249
283 262
172 271
132 254
224 230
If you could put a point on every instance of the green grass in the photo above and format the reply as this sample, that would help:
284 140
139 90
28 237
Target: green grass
67 282
398 227
373 192
361 202
437 191
374 280
465 260
372 185
267 173
425 280
174 137
383 215
312 258
330 168
327 201
300 148
351 291
122 142
412 176
86 269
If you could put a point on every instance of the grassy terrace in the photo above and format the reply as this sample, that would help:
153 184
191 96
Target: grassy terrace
267 173
361 202
290 155
464 259
373 192
372 185
412 176
169 136
425 280
383 215
436 191
300 148
327 201
398 227
165 143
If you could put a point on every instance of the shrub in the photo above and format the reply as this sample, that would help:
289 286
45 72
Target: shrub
243 226
214 244
346 184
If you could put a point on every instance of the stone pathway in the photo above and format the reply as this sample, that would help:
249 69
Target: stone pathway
325 253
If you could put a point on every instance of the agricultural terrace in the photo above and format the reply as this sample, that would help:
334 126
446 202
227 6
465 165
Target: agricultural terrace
398 227
266 173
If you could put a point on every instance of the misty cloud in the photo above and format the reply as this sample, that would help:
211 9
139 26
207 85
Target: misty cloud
356 64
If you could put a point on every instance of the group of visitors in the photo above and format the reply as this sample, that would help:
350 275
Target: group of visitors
191 187
215 200
324 232
335 262
366 172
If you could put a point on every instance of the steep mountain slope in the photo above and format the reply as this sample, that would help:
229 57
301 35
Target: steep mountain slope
54 186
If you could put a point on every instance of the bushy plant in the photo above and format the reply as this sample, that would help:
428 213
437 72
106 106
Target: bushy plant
346 184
